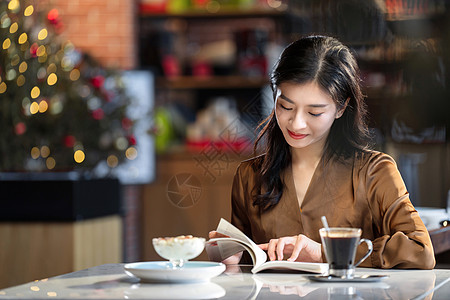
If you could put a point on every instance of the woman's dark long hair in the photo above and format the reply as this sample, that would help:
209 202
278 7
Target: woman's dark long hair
330 64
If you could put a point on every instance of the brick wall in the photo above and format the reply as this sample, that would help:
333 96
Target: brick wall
104 28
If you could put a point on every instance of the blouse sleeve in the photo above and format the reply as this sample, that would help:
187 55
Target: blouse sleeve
403 240
239 195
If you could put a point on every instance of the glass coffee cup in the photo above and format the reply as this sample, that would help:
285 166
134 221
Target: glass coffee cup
340 246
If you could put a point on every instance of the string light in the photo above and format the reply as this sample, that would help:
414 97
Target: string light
42 35
23 38
23 67
40 50
51 68
43 106
34 108
35 92
2 87
13 28
35 65
52 79
20 80
14 5
6 43
28 11
15 60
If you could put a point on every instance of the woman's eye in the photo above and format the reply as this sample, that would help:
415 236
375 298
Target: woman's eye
315 115
284 107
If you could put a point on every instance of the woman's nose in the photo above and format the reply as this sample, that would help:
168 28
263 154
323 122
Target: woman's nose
298 121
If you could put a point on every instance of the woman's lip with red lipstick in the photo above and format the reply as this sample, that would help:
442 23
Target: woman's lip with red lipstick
297 136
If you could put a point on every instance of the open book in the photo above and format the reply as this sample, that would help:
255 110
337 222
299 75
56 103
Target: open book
219 249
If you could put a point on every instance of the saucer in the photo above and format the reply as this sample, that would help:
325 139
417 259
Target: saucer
162 271
356 278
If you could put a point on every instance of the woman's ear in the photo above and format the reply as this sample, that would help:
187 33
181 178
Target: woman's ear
341 111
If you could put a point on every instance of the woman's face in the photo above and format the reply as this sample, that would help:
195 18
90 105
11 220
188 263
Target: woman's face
305 114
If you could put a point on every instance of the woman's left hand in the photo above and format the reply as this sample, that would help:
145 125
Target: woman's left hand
298 248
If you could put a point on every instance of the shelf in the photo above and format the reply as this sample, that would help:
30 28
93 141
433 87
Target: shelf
215 82
224 13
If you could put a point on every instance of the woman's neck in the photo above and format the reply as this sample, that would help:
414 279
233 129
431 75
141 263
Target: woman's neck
308 156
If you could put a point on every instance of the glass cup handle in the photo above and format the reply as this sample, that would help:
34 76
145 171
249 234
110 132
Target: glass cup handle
369 251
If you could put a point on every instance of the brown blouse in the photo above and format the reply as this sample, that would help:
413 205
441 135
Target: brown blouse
365 192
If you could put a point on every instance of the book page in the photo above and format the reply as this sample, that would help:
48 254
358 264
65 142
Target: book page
320 268
227 228
219 249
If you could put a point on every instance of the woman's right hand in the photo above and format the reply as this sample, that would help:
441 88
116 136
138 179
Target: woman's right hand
232 260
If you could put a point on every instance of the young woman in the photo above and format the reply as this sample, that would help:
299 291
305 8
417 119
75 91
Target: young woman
317 163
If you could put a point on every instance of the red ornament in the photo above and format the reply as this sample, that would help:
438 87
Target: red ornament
126 123
97 81
98 114
132 140
33 49
69 141
53 16
20 128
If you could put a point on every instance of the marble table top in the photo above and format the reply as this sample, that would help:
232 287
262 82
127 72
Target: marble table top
237 282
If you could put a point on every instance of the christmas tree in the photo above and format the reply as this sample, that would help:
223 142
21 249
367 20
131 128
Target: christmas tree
59 109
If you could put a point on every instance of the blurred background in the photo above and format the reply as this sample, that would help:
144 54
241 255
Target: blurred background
125 120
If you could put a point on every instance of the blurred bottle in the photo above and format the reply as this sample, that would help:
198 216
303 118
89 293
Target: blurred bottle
251 52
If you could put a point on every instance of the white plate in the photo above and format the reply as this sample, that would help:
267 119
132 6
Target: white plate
161 271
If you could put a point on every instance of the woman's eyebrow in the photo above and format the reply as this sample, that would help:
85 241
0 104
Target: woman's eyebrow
286 98
309 105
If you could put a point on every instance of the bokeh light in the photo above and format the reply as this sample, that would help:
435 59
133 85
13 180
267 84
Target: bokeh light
23 67
131 153
23 38
2 87
14 27
28 11
14 5
74 74
43 106
6 43
45 151
112 161
34 108
42 35
79 156
50 163
35 153
35 92
52 79
20 80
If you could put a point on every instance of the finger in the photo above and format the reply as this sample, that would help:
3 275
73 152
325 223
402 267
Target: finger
299 245
263 246
271 249
280 248
214 234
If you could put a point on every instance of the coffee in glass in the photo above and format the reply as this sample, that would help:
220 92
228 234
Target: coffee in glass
340 246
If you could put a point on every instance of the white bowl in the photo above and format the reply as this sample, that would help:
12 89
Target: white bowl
179 249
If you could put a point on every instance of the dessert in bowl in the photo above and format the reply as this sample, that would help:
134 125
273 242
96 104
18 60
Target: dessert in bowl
179 249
